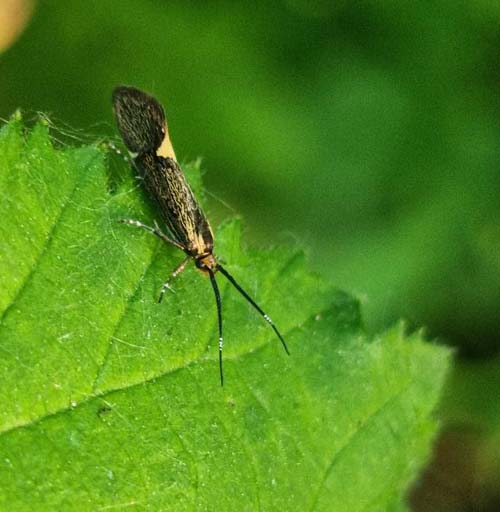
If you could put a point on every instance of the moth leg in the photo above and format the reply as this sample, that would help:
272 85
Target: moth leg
173 275
155 231
111 145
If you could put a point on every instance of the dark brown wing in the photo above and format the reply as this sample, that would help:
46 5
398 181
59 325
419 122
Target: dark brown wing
140 119
166 183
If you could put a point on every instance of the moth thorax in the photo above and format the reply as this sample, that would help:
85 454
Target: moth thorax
206 261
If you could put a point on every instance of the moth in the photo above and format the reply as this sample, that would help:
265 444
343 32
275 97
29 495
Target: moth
142 124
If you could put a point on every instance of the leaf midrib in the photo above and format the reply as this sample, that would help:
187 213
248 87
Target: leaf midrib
107 392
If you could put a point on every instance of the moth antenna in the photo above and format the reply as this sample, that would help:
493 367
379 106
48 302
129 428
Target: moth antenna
266 317
219 319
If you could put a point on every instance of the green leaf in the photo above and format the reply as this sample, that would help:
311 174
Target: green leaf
110 400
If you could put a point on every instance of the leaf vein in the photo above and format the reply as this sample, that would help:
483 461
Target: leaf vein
123 315
108 392
48 240
353 435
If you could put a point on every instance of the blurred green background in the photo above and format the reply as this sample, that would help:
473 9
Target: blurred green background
367 132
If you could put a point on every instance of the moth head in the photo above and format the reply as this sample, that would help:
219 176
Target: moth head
140 119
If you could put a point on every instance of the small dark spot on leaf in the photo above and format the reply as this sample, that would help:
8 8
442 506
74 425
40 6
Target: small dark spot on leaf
103 411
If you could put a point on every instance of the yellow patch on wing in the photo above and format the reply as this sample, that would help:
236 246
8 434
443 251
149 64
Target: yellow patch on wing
166 149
